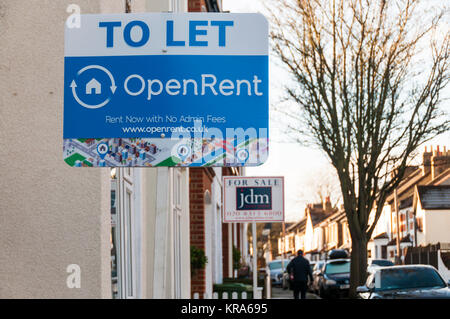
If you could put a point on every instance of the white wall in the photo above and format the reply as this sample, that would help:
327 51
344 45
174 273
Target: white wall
209 242
309 235
148 206
158 5
383 224
52 215
436 226
216 212
443 270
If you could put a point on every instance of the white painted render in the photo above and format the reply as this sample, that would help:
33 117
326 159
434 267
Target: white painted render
216 234
435 226
443 270
52 215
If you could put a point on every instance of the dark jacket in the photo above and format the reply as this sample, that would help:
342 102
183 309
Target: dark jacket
300 268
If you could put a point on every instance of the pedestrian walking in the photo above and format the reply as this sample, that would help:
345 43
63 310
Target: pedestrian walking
300 269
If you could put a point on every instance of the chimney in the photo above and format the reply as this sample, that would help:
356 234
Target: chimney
426 165
440 161
327 204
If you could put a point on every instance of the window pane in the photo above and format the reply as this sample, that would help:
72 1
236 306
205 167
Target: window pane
406 278
338 268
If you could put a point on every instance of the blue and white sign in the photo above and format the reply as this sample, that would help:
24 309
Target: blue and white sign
166 89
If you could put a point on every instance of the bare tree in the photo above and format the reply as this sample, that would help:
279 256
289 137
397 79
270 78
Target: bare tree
320 184
367 92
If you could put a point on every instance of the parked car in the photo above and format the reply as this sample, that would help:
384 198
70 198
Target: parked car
286 280
277 269
373 263
334 278
314 286
404 282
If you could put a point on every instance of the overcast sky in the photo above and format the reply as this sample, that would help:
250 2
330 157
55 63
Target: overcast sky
301 166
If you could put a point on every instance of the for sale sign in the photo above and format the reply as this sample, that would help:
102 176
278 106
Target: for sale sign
253 199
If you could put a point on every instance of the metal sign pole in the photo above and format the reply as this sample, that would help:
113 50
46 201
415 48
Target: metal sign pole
255 264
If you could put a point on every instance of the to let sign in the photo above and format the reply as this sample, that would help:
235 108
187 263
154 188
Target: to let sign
253 199
166 89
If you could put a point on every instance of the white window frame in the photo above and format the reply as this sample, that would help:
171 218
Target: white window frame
125 235
177 213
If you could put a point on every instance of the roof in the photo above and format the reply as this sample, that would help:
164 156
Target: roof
297 225
288 225
319 215
434 197
392 242
382 236
407 202
337 216
408 183
406 239
440 178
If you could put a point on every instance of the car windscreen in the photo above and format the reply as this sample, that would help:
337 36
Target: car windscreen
277 265
408 278
382 263
339 267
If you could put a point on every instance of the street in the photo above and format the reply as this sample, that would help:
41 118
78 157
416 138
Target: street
279 293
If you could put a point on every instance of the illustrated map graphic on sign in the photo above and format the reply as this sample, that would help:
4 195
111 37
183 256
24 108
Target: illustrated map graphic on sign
165 89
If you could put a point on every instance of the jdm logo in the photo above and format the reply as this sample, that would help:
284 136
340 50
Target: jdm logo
253 198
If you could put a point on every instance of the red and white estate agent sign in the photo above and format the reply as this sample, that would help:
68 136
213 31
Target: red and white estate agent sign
253 199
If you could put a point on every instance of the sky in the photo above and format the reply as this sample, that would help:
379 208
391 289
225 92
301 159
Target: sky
304 168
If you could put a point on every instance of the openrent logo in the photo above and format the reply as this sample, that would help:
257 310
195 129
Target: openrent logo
207 83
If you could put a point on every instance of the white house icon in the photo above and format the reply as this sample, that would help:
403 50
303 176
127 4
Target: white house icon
93 85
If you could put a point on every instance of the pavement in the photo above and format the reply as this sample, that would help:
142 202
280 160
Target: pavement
279 293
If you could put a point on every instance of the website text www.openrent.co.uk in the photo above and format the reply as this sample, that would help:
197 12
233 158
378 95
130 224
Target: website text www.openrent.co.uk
164 129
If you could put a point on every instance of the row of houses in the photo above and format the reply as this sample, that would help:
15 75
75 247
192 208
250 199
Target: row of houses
422 217
321 229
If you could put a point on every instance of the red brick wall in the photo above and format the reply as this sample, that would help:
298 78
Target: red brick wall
225 250
238 235
199 181
225 244
196 6
227 171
